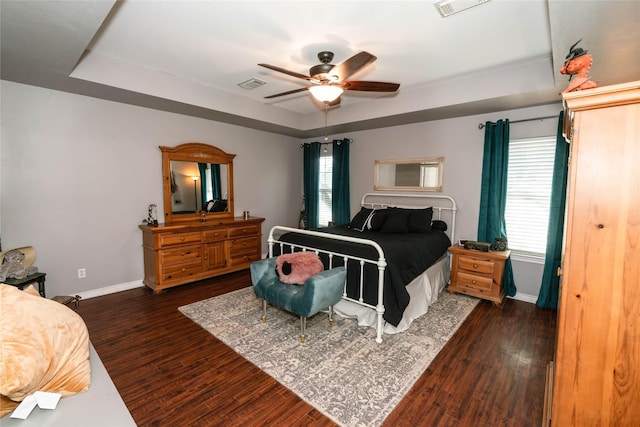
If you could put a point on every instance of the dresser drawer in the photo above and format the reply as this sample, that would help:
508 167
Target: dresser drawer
474 282
214 235
243 231
180 271
240 247
245 258
476 265
180 255
178 238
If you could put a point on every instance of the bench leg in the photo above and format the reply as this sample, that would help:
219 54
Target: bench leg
330 315
303 328
264 311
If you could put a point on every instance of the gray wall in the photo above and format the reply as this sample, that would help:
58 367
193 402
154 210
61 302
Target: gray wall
78 174
460 142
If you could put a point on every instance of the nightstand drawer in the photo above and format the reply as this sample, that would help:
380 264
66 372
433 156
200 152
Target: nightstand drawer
475 282
476 265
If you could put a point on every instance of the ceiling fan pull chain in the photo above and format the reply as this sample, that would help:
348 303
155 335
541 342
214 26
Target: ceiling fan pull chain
326 112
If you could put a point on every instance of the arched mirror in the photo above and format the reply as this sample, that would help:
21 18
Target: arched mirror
197 182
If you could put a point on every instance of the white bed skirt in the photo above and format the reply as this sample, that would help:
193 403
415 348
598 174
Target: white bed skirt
423 290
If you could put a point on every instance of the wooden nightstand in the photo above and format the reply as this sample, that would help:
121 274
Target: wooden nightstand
478 273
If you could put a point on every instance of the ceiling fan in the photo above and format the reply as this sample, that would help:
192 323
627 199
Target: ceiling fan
329 81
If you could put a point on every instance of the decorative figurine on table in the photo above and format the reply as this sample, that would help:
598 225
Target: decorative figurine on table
577 63
152 219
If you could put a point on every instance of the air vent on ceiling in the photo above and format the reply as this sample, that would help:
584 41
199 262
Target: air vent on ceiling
449 7
252 83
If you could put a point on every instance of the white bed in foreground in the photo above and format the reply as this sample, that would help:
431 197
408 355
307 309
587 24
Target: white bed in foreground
423 287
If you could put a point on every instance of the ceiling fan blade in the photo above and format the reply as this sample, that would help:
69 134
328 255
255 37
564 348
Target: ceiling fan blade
370 86
349 66
282 70
288 93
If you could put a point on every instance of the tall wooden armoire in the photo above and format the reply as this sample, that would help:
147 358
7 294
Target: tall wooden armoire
596 375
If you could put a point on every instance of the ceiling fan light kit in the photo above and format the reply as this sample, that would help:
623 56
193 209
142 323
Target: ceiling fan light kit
330 81
325 93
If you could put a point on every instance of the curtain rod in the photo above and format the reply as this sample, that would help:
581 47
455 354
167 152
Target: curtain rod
482 125
349 140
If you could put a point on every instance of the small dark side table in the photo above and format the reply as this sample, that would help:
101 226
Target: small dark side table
35 277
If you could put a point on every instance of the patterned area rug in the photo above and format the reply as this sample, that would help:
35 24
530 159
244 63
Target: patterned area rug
341 370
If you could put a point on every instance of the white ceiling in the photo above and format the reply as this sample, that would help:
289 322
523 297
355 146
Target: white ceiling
190 56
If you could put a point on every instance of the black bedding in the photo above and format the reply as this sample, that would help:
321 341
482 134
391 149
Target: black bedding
407 256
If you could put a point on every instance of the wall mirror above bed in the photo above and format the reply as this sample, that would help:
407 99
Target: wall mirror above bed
419 174
197 182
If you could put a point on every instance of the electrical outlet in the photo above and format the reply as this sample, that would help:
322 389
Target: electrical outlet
82 273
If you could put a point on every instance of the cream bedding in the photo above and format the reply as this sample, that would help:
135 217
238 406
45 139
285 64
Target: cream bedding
423 290
44 346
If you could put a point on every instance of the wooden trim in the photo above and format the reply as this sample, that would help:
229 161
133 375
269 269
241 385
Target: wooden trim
607 96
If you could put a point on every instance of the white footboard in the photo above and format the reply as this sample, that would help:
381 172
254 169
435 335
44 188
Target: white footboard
286 247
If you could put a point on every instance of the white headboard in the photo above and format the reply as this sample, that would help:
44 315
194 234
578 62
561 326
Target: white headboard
444 207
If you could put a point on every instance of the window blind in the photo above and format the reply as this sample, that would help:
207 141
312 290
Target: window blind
528 194
325 213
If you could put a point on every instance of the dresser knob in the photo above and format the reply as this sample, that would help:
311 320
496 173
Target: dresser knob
475 265
182 239
184 269
473 281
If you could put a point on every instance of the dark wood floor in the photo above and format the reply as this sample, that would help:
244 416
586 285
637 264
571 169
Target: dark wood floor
170 372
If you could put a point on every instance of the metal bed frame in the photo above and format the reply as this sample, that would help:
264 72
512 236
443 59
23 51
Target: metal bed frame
368 201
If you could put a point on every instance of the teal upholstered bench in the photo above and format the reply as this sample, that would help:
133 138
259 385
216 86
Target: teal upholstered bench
319 292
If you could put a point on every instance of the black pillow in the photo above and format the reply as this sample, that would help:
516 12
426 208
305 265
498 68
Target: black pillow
396 221
439 225
359 221
377 219
420 220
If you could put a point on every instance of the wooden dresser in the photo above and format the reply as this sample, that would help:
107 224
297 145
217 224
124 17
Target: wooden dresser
478 273
175 254
596 371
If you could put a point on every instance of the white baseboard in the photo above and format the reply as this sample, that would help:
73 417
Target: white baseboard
110 289
525 297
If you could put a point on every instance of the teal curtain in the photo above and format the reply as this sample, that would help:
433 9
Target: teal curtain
215 181
493 192
340 198
311 184
548 296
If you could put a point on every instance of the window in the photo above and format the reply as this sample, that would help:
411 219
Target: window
325 214
529 193
208 188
